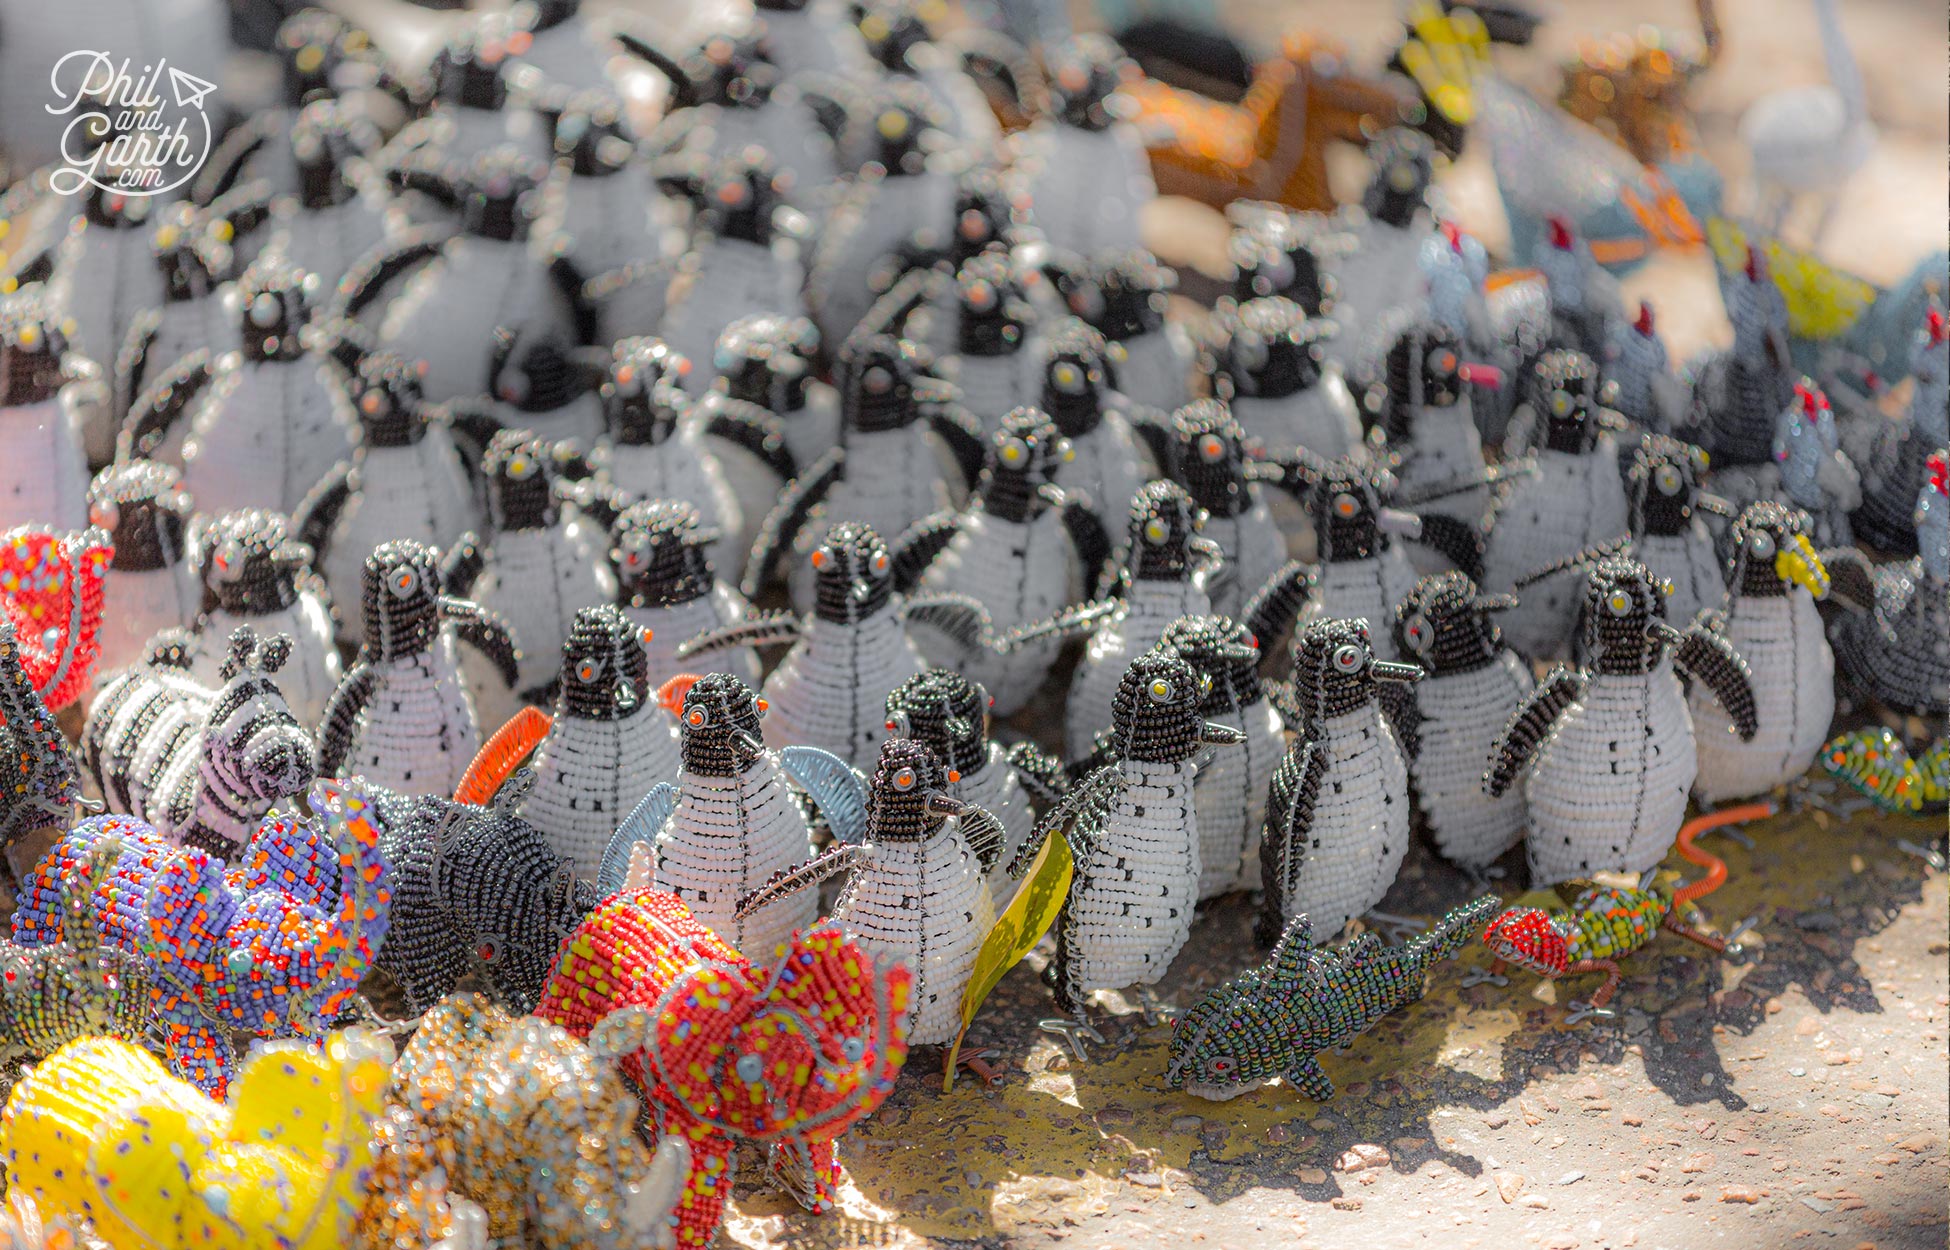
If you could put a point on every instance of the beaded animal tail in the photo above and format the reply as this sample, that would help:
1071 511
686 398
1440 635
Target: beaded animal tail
511 744
1716 868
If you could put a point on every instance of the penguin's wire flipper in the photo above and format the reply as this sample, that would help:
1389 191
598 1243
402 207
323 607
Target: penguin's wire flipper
959 616
162 405
789 881
335 728
1851 579
1090 538
1040 773
773 629
757 430
1705 655
788 516
1072 622
917 547
1590 555
1274 607
501 755
367 279
1456 539
958 428
1529 726
1716 868
683 92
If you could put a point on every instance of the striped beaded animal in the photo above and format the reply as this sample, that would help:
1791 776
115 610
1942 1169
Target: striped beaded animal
787 1054
201 764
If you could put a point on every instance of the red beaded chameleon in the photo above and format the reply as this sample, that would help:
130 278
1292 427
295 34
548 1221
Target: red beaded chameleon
1608 922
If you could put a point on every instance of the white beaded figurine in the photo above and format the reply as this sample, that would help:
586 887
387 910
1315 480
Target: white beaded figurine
767 386
1106 464
49 396
610 740
1337 812
1231 786
255 574
341 210
1668 535
1381 271
667 586
1272 373
1435 448
1086 168
1771 622
152 584
1124 296
196 264
104 275
1606 753
402 718
997 355
613 214
1472 684
1203 449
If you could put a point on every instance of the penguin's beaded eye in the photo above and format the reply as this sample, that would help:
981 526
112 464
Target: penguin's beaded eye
629 381
1402 176
1761 543
489 949
822 559
880 564
1560 403
1445 363
734 194
403 582
589 670
228 563
1204 684
1162 691
980 295
1619 603
904 779
375 403
1156 531
1418 633
1067 377
1346 505
1348 658
521 468
1014 453
900 725
697 717
1211 448
974 227
266 311
1667 479
877 380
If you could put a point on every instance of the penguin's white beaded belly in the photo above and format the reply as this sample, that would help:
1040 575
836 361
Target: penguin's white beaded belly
1463 714
673 625
1687 561
46 477
995 789
1367 589
1608 789
682 469
138 603
993 386
1254 551
1572 503
329 241
308 677
926 903
1322 419
1230 796
733 278
727 837
1107 469
537 580
264 436
448 311
412 492
1781 639
1131 907
1358 836
1149 609
589 776
1088 186
831 689
1020 573
417 733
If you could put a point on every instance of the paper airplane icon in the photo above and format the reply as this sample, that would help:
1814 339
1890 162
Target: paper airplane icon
189 89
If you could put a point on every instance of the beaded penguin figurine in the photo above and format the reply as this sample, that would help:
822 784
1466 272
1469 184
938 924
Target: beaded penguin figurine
1124 296
1271 372
1229 791
471 109
1435 446
1382 271
1022 549
1895 646
266 422
1574 500
1132 829
152 585
196 263
402 717
1893 455
1472 684
1203 449
662 556
1770 621
1106 466
1663 493
1273 256
996 353
613 213
766 361
949 715
1606 753
1085 165
105 274
1337 813
49 397
915 864
1276 1020
341 210
38 777
1738 393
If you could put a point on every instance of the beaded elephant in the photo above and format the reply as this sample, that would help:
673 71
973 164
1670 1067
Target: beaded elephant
704 1032
272 946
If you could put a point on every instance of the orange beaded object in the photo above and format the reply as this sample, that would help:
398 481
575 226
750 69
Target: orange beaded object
51 589
1272 145
500 755
1634 90
790 1055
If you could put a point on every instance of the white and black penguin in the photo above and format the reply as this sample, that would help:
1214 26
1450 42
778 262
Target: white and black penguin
49 396
472 109
914 61
1572 499
1166 566
1203 449
1269 368
991 217
403 718
1107 463
1472 684
1132 828
613 212
340 209
769 404
1770 620
192 314
903 437
405 480
1606 754
254 573
1382 272
104 276
568 48
538 564
1021 548
949 715
152 584
850 652
1669 537
1229 792
997 355
609 740
1085 164
1273 257
1337 811
661 551
263 424
1435 448
1124 296
916 861
1895 646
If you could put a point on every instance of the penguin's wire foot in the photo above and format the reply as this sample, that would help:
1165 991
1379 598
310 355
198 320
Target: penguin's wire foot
979 1063
1479 878
1483 976
1739 931
1929 855
1153 1009
1396 928
1582 1011
1073 1032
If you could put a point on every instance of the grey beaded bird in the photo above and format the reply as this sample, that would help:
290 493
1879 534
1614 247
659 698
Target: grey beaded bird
1895 647
1738 392
1893 455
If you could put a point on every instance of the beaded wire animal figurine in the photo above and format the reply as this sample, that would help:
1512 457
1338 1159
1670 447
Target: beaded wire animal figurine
1434 443
49 396
54 603
1877 763
1204 449
1893 455
787 1054
146 512
1605 923
1106 466
196 261
668 585
1124 297
1276 1020
767 360
1084 165
1666 522
1895 646
1272 373
39 784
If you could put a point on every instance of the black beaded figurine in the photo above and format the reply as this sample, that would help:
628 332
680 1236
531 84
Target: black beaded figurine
668 586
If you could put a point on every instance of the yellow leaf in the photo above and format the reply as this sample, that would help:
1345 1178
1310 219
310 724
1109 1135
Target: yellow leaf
1016 931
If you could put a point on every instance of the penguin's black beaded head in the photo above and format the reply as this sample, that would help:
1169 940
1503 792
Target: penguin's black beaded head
552 13
1225 652
1561 388
193 259
324 138
986 212
502 196
1075 377
273 306
742 198
1025 454
1662 484
641 400
852 574
767 359
1771 553
1623 623
312 46
1272 350
877 376
605 671
103 209
662 553
1211 455
1085 75
993 311
387 395
146 511
591 136
907 126
401 599
32 346
1165 541
891 30
1423 370
1273 258
732 69
249 564
1404 166
947 713
1446 624
1155 714
1346 502
468 72
718 730
1334 669
907 776
1126 295
520 476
